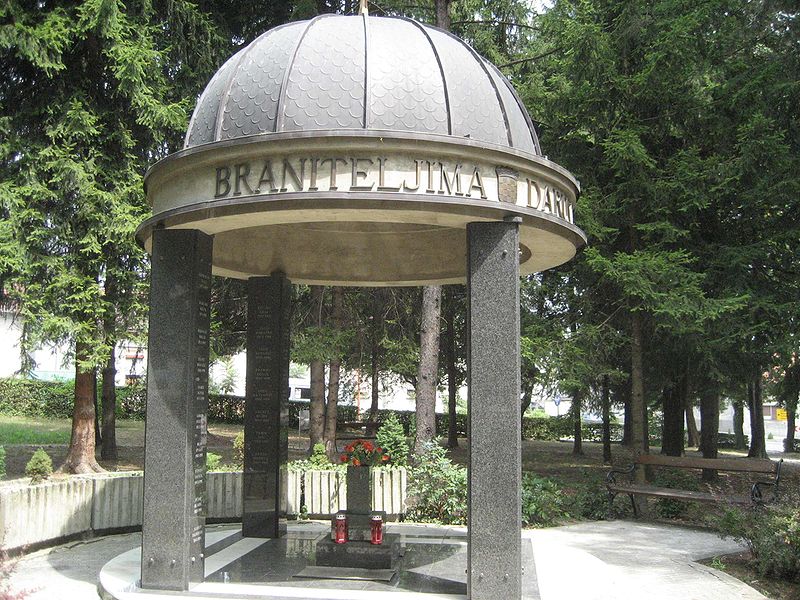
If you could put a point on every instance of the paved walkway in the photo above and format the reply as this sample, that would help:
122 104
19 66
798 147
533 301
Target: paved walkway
617 560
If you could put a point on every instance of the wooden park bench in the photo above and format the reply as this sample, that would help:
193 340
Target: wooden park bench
754 466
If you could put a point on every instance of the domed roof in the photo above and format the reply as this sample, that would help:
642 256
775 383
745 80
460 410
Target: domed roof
339 72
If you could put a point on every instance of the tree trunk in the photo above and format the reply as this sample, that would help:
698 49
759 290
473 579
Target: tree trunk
791 420
443 14
317 403
108 447
97 437
691 426
332 407
626 426
526 397
575 410
638 407
709 420
606 412
374 386
738 424
452 374
428 367
80 457
375 340
758 446
672 435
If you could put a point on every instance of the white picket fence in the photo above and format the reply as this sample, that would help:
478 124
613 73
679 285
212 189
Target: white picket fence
53 510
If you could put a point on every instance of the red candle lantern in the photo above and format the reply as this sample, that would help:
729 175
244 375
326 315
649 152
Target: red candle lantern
376 526
340 529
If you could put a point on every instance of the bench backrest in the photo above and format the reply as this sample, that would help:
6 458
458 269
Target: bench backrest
748 465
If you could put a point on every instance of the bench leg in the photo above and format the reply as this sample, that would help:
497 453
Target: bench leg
633 504
610 513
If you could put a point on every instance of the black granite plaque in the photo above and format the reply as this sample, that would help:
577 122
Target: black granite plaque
495 547
266 412
177 399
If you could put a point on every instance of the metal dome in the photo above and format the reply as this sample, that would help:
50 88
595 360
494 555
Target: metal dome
359 72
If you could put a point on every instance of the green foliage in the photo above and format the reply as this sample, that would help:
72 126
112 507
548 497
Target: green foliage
238 450
32 398
319 458
39 467
728 440
392 438
114 83
588 501
213 461
304 465
772 533
2 462
668 508
227 384
437 489
543 502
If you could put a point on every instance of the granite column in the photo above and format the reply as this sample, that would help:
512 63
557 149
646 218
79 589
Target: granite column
266 412
173 528
495 549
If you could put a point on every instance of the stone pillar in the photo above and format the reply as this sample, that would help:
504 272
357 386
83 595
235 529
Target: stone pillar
266 409
494 569
173 528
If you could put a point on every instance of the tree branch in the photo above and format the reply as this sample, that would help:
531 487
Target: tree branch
493 22
530 58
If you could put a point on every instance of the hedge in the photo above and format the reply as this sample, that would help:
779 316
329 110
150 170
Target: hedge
31 398
25 397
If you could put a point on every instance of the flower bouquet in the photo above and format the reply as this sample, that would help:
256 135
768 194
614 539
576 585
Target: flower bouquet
363 453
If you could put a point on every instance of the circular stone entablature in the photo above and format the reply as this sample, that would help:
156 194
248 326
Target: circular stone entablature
354 150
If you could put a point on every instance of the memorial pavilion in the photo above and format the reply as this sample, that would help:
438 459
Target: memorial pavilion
343 150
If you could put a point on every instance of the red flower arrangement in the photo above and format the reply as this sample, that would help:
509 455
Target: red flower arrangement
363 453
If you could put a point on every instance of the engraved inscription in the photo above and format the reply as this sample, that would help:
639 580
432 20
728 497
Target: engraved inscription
392 174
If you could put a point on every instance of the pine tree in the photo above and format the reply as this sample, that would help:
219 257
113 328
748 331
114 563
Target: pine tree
92 92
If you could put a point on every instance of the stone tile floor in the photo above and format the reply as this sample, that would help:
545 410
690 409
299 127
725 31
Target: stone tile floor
619 560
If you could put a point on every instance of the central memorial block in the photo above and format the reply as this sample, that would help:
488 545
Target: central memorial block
356 150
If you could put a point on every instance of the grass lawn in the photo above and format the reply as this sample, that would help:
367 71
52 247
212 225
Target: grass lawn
30 430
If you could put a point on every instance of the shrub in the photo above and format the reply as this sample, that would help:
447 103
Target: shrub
543 502
213 461
772 533
39 467
2 462
728 440
668 508
238 450
437 489
392 438
319 458
33 398
132 400
589 501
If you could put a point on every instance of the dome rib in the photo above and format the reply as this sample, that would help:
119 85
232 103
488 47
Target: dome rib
521 106
489 77
365 22
441 71
279 116
415 77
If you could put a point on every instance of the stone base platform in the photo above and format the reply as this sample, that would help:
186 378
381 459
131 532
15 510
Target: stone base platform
359 554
